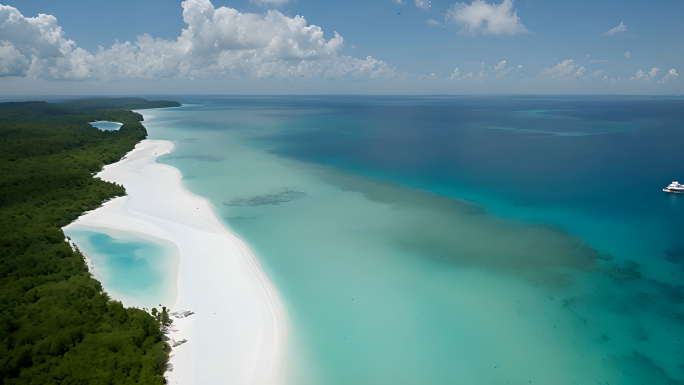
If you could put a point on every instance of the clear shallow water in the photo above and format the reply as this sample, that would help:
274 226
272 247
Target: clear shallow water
137 271
454 240
106 126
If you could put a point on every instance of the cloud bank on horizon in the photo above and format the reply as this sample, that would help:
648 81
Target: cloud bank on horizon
218 42
227 44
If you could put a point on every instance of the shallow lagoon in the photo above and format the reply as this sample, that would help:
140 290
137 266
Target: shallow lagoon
106 125
138 271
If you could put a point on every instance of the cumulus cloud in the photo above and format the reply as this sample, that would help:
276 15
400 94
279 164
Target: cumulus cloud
620 28
642 75
488 72
628 54
269 3
567 70
480 17
217 43
425 4
35 46
670 76
433 22
653 72
12 62
454 75
500 70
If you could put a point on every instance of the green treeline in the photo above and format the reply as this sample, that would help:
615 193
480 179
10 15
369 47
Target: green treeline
117 104
57 325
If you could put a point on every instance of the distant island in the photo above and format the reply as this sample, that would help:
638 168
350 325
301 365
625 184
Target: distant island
56 322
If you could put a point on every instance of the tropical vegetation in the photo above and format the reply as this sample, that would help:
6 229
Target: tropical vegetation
57 324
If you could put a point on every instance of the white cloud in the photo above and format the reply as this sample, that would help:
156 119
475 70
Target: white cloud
644 76
653 72
620 28
488 72
12 62
670 76
479 17
500 66
567 70
433 22
425 4
454 75
217 43
628 54
269 3
35 46
501 69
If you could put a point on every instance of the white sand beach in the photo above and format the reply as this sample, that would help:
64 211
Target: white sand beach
239 330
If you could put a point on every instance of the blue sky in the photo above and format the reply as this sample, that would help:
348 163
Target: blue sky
384 46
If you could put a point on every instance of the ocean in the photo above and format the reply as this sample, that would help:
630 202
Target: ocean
452 240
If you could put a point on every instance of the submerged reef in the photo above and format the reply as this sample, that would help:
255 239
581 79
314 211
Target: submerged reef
268 199
675 254
638 365
201 158
626 271
450 230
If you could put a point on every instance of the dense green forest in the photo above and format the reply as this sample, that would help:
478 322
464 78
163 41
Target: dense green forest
117 104
57 325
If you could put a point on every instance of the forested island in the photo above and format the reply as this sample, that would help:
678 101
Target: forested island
57 325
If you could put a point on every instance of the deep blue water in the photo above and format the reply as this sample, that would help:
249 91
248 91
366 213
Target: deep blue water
601 158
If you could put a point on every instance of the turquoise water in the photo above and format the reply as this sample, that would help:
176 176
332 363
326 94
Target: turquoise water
106 126
137 271
454 240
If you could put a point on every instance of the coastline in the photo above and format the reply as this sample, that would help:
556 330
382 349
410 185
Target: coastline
238 331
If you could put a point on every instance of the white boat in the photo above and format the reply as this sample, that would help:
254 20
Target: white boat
675 187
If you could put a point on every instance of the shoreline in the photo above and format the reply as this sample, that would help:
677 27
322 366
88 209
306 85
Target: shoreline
238 331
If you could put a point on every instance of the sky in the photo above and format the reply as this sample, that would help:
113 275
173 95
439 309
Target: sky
341 47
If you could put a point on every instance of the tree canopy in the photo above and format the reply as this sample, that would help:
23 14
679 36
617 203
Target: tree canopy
57 325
